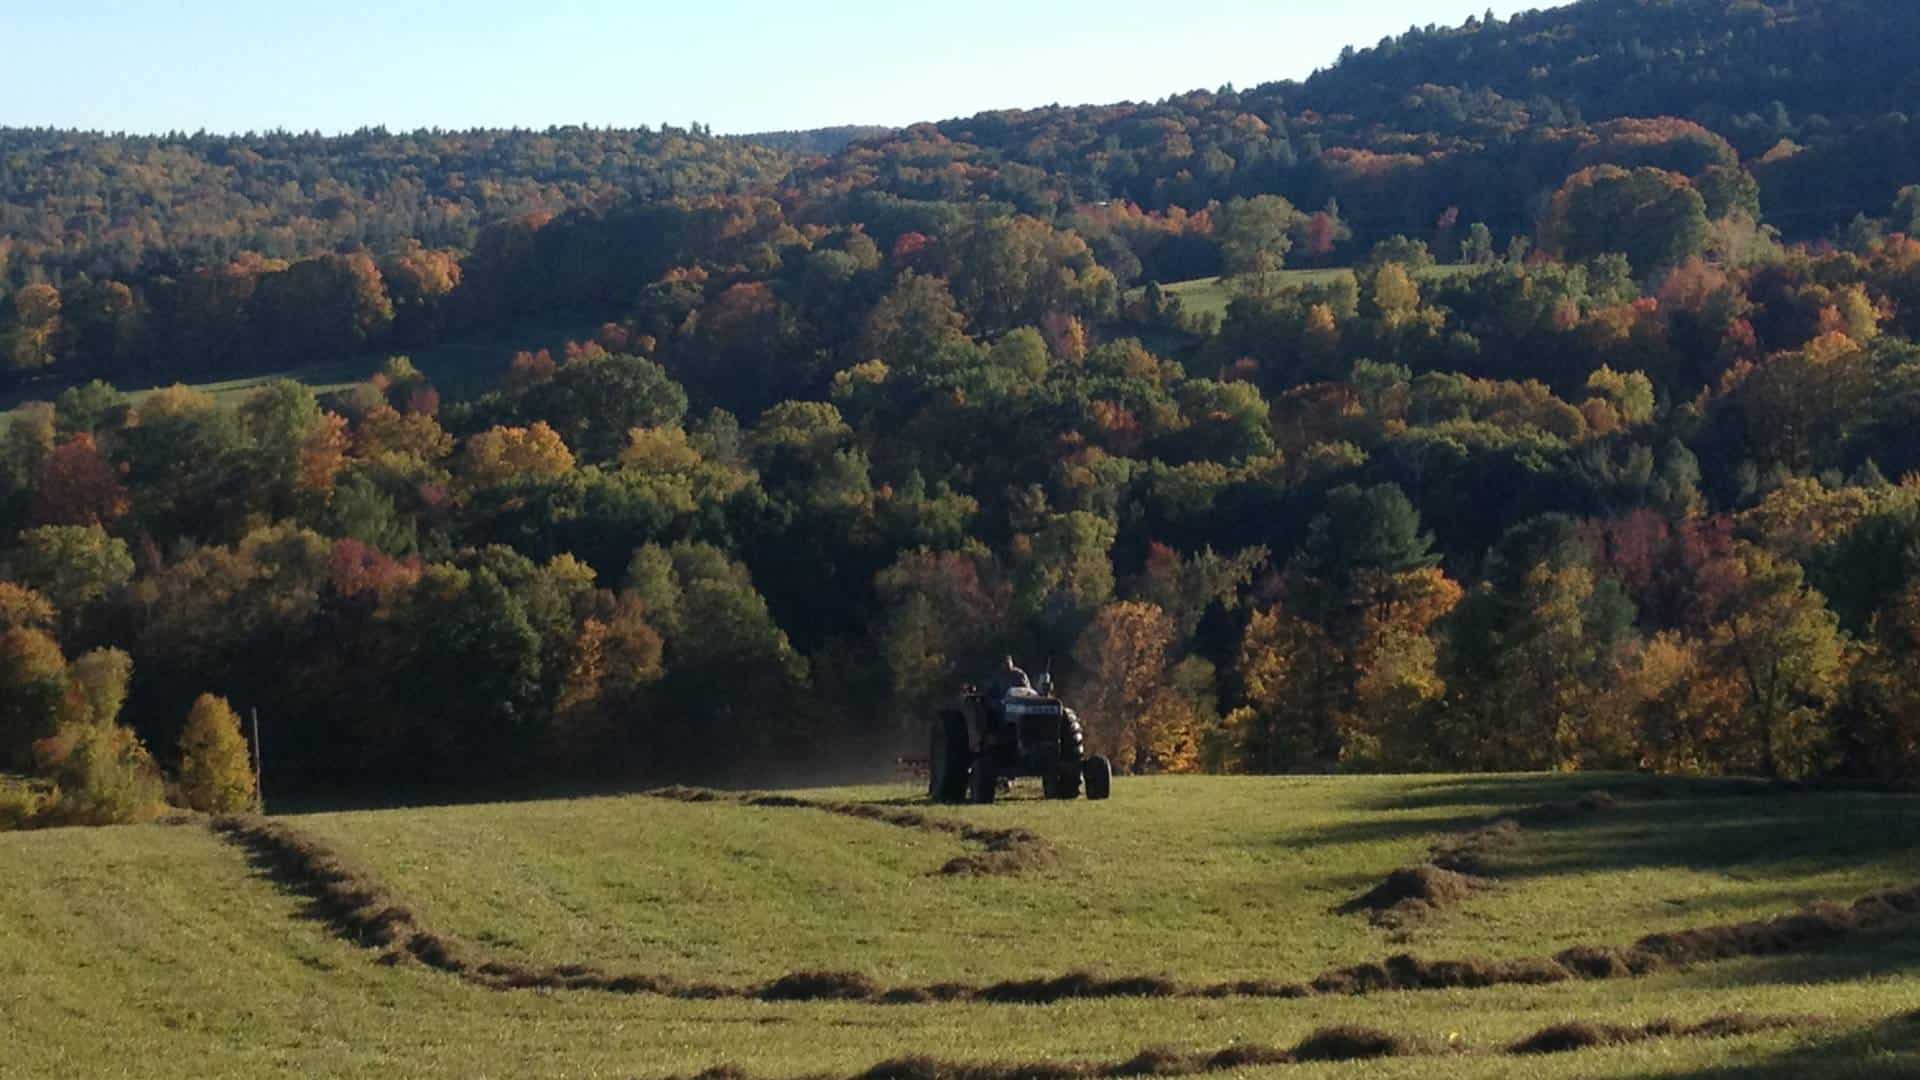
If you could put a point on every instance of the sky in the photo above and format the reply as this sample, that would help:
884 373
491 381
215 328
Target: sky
738 65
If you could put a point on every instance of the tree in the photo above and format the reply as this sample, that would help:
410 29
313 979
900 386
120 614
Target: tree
102 679
915 321
1255 235
1655 218
72 565
216 774
1785 646
100 325
1477 248
22 608
30 336
1362 529
945 620
321 310
507 454
1130 709
611 661
1906 210
1065 574
34 700
420 282
593 401
102 775
79 486
1290 675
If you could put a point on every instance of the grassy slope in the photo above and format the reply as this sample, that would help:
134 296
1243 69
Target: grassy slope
157 952
1211 295
457 369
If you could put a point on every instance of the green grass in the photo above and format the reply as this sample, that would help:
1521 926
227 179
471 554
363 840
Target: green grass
457 369
1211 295
158 951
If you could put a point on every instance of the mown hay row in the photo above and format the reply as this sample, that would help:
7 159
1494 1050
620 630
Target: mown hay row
1332 1044
1004 851
1344 1043
1458 866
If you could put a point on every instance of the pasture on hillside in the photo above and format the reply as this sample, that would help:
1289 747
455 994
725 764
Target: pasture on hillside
1211 295
457 370
183 951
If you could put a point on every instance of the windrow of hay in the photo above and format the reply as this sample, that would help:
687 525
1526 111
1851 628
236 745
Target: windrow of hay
1581 1035
1003 851
1331 1044
362 909
1346 1043
1458 866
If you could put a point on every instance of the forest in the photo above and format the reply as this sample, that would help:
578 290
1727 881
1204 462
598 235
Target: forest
1590 445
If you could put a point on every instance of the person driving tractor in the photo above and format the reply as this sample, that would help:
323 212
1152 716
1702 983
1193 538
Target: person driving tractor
1009 679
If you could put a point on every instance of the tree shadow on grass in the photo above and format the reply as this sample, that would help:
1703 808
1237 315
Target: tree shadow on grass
1890 1048
1658 824
1863 956
1742 839
1512 791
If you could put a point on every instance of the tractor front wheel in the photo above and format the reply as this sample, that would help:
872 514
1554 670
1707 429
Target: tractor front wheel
1098 772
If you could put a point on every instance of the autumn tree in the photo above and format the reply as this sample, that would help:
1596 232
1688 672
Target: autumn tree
216 772
29 337
72 565
1783 644
945 619
915 321
613 658
1127 701
34 699
1255 235
506 454
79 486
1655 218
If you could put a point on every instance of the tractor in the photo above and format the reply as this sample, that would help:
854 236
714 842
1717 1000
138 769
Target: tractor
995 737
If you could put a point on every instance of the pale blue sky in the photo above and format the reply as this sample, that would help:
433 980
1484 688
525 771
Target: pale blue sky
739 65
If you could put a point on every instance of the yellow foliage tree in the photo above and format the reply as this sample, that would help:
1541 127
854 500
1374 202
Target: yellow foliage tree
502 454
1289 671
215 775
24 609
1130 708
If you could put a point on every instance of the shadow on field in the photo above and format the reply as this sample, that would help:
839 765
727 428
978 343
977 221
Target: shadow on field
1737 837
1888 1049
1737 828
1872 954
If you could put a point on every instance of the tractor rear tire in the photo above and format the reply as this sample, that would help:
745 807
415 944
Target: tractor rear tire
1099 776
947 758
982 784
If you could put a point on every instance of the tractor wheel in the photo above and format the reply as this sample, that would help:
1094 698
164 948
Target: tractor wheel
1064 786
947 759
1099 774
982 785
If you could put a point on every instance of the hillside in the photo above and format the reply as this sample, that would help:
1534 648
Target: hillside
1756 71
75 202
1514 441
163 945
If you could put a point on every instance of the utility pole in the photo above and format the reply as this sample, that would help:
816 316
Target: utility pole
259 791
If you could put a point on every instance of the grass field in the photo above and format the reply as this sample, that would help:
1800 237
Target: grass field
457 369
1211 295
163 951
